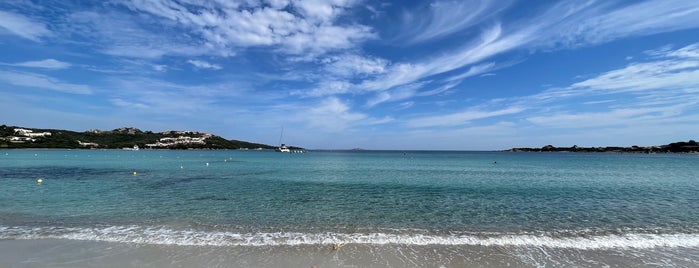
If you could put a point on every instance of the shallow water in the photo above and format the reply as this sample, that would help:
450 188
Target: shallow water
550 203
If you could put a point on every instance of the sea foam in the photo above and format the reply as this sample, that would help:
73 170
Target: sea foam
166 236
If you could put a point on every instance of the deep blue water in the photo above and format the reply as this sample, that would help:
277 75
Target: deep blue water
352 196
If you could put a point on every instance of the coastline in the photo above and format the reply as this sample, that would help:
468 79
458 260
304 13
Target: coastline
76 253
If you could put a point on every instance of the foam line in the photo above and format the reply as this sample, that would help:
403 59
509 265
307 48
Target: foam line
165 236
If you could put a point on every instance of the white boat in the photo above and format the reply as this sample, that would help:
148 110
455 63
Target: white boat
282 147
134 148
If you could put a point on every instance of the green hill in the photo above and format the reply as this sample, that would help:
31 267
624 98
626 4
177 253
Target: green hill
20 137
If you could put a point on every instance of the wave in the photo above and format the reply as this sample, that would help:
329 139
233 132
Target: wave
166 236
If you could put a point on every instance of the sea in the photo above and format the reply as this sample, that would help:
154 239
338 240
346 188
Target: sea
229 208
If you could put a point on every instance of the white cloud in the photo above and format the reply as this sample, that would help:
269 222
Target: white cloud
159 67
474 70
23 26
121 34
688 52
333 115
661 91
618 118
164 97
298 27
668 72
566 24
647 76
593 22
441 89
461 118
449 17
352 65
46 64
33 80
323 38
491 42
321 10
329 87
398 94
126 104
200 64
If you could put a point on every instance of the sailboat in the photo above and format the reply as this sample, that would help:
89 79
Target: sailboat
282 147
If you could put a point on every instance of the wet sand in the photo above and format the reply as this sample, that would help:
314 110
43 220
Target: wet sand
74 253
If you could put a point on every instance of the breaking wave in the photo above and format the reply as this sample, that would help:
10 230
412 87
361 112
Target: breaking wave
166 236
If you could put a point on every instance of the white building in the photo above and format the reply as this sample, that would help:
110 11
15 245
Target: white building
30 133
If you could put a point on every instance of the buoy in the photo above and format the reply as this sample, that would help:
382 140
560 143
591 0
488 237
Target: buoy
39 181
181 167
134 173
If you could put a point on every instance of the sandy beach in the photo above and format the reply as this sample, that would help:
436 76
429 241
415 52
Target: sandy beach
73 253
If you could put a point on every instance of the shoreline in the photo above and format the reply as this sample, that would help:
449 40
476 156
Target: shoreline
76 253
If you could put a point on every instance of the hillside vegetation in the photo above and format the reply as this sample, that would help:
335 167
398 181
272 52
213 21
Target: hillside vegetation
116 139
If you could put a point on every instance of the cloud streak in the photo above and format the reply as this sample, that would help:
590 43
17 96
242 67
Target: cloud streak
461 118
23 26
200 64
563 25
33 80
594 22
45 64
449 17
659 91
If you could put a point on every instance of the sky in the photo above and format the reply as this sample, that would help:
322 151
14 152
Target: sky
342 74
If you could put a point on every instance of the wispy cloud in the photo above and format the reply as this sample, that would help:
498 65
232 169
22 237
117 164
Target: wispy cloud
23 26
327 87
127 35
45 64
617 118
593 22
660 90
448 17
126 104
667 72
474 70
398 94
333 115
562 25
461 118
40 81
164 97
492 41
200 64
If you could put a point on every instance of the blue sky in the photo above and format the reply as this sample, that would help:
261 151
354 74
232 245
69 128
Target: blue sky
454 75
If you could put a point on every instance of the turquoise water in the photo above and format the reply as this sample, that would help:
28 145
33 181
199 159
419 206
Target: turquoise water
252 198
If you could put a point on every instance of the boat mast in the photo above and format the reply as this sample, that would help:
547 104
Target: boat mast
281 135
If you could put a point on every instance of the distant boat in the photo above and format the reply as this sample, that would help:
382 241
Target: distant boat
134 148
282 147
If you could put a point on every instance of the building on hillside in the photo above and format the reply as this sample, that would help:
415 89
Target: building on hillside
30 133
